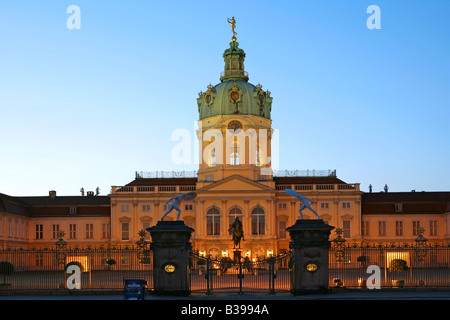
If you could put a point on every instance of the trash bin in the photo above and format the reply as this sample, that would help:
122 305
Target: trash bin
134 289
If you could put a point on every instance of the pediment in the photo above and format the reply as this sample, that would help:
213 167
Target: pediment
235 183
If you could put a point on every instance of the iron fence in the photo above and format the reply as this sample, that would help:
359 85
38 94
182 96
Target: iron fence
350 265
395 265
101 267
226 275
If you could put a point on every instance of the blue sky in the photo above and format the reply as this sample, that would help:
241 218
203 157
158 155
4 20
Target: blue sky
89 107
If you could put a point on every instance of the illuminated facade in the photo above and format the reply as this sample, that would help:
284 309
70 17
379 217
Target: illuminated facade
234 179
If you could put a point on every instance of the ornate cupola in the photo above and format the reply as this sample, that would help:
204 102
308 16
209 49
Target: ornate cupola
234 95
234 59
240 113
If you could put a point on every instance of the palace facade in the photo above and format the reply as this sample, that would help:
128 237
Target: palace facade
234 179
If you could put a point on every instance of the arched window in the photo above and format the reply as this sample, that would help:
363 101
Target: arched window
213 222
258 221
212 158
235 212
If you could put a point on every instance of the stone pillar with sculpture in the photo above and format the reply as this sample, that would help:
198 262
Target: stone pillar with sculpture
171 247
309 244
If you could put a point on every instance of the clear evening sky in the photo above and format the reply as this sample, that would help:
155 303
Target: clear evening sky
88 107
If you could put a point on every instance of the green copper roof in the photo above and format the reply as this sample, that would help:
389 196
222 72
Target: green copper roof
234 95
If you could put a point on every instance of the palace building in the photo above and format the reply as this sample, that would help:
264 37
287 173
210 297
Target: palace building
234 179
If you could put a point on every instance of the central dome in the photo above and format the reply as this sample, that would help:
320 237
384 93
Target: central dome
234 95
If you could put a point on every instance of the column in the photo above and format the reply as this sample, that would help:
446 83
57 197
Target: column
113 221
134 228
224 221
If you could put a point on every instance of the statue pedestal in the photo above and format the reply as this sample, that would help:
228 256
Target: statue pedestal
236 255
309 244
171 247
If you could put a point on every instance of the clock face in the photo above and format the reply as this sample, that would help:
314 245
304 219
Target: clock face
234 125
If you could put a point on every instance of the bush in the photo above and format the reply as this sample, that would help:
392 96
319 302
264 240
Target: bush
75 263
110 262
6 268
398 265
361 259
201 262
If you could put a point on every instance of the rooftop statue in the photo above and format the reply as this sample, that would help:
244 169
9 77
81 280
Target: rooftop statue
176 201
232 22
306 202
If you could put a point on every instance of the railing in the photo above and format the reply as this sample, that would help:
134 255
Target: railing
420 265
279 187
165 174
319 187
233 72
101 267
305 173
395 265
152 189
194 174
270 275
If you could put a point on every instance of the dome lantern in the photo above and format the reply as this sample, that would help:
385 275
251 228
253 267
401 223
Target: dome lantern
234 59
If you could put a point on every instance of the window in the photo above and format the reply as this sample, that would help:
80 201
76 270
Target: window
39 232
146 207
125 259
89 231
399 207
258 221
106 230
212 158
55 230
234 154
346 205
125 231
73 210
72 231
416 227
124 207
433 228
145 226
324 205
188 207
10 231
281 229
209 178
399 228
213 222
234 213
382 228
365 228
39 259
346 229
282 206
258 156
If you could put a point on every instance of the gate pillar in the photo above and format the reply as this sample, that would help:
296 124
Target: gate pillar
171 246
309 244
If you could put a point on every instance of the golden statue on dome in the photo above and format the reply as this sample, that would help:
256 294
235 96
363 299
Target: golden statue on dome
232 22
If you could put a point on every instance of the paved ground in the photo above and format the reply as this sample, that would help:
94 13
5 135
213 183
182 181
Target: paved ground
343 295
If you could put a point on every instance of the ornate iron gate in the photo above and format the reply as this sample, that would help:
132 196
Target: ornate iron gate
270 275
